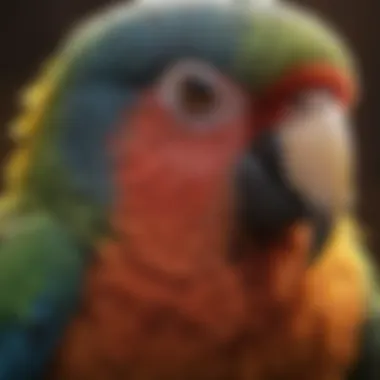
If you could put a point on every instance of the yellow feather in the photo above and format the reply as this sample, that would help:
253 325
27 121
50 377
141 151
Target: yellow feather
25 128
347 245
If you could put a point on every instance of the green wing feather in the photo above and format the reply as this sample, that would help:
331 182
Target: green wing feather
41 271
43 255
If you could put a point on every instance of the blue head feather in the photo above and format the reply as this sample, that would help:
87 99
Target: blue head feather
114 65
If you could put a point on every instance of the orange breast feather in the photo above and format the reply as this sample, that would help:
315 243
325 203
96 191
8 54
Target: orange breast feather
136 323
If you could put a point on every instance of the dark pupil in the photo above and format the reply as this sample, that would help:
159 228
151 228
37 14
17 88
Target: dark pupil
198 97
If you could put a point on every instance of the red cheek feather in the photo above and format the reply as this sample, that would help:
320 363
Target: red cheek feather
173 183
166 301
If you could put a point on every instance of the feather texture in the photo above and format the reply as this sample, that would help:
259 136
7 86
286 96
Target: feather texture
40 277
60 192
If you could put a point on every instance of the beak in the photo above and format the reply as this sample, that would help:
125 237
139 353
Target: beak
265 205
297 171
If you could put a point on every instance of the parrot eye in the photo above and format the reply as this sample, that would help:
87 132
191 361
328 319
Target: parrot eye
197 94
197 97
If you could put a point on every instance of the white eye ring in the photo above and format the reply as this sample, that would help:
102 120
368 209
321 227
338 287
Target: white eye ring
198 95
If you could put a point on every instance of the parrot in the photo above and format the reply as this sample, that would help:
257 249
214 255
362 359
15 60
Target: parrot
180 201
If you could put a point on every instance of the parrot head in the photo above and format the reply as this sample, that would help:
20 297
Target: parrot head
191 127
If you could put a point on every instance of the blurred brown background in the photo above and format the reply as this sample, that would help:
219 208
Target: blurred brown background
29 31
